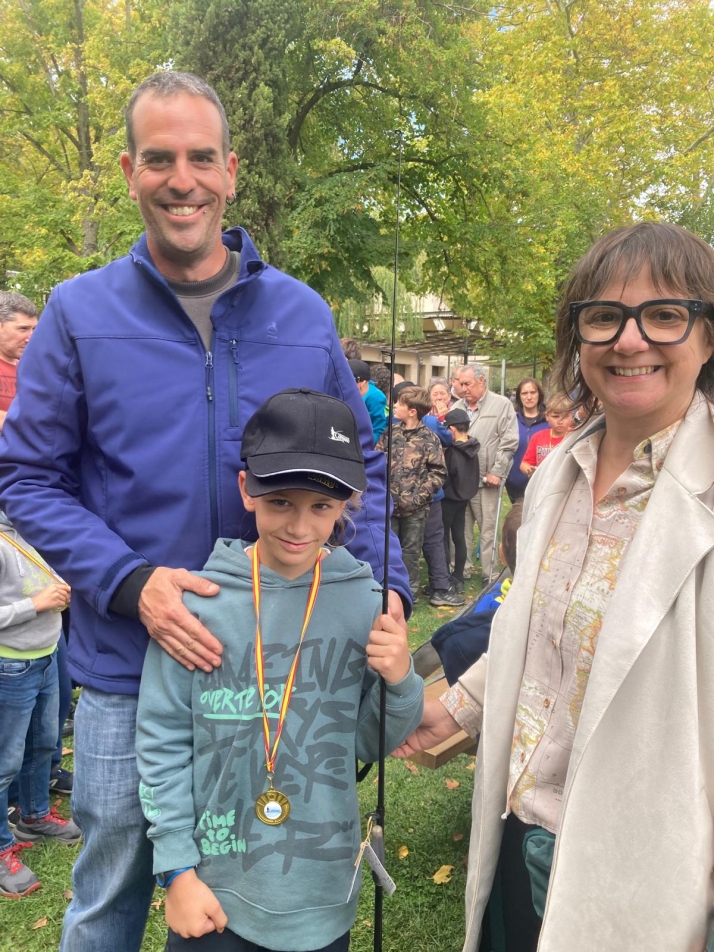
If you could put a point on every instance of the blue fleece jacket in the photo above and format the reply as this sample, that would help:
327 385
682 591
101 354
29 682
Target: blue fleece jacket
527 427
202 760
122 446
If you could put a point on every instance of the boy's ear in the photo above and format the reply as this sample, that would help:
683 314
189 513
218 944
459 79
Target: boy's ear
248 501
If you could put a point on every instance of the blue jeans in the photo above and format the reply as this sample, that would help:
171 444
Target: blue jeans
29 705
112 881
65 704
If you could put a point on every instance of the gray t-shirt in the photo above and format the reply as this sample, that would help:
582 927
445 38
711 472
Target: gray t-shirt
198 297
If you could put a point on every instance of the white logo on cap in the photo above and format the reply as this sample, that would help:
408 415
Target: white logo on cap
337 436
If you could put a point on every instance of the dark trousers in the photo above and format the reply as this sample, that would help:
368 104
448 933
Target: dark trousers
410 532
453 514
228 941
511 924
433 548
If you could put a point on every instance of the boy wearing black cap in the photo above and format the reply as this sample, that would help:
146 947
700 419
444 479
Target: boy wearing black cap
462 484
248 772
374 399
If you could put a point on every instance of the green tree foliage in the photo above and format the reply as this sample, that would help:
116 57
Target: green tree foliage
318 124
601 114
526 129
67 68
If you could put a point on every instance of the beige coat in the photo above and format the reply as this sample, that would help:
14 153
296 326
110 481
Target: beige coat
632 870
496 428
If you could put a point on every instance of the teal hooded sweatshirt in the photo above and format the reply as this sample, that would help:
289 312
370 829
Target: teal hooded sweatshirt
202 758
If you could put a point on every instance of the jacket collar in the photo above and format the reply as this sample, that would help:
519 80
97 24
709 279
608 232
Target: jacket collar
235 239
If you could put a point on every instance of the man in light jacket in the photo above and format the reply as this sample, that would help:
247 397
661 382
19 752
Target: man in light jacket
493 422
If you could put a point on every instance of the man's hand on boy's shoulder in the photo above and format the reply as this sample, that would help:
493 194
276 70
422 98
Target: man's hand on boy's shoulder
387 650
192 909
171 624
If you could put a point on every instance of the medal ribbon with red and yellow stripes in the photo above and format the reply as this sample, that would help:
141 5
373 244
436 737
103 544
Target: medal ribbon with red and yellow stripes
273 807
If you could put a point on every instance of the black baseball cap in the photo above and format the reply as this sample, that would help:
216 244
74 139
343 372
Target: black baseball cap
302 439
456 416
398 387
360 369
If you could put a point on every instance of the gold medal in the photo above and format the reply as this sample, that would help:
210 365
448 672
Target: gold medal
273 807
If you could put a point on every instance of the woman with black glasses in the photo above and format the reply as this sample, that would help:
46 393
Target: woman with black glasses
594 791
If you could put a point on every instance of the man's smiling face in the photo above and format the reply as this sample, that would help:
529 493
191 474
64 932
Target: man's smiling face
181 179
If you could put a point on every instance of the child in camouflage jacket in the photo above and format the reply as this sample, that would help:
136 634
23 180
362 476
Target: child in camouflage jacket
418 472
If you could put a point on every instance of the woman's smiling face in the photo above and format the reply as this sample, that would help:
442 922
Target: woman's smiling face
641 383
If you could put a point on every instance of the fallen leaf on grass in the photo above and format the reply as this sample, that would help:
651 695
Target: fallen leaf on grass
402 852
414 629
442 875
158 904
445 608
66 751
367 922
471 766
67 893
412 768
457 836
452 784
41 923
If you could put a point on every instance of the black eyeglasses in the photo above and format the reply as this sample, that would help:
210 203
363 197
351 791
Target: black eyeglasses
665 321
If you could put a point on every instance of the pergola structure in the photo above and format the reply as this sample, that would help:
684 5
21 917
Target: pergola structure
450 335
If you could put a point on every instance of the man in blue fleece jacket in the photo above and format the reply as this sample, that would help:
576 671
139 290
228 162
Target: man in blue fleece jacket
119 456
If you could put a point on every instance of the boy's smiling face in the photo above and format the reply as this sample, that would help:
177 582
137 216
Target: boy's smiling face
293 525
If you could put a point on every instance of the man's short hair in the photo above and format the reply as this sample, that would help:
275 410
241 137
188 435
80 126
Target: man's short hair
351 348
380 378
12 304
416 398
477 370
171 83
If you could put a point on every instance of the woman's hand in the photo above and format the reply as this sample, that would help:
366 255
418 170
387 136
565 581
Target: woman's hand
440 408
192 909
53 598
437 725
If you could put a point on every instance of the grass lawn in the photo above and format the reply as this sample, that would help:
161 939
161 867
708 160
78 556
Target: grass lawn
423 814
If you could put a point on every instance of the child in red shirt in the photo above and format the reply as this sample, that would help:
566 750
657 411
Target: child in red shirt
559 414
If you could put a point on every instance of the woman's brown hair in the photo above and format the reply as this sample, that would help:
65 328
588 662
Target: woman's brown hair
679 262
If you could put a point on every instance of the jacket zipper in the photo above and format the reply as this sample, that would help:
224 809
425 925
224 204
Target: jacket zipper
233 416
211 446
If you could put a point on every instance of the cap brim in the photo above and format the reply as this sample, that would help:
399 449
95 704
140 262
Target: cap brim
313 482
349 472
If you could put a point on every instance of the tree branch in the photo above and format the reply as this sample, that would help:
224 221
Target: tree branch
700 141
41 149
318 94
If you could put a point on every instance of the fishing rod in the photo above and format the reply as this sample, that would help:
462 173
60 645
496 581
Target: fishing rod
378 815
